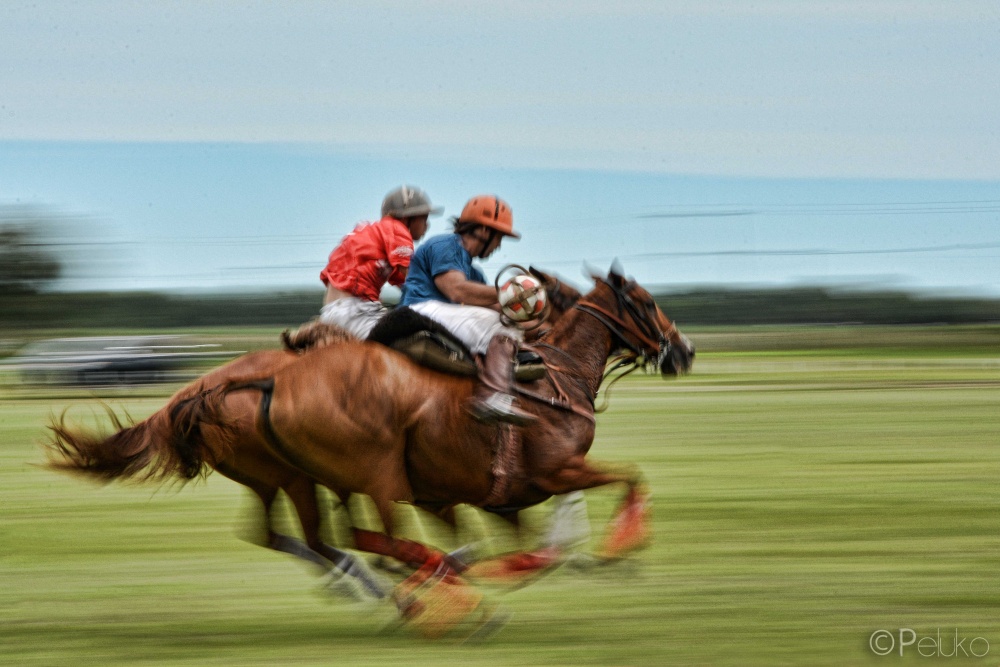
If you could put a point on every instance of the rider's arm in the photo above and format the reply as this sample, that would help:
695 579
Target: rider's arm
398 275
459 289
398 248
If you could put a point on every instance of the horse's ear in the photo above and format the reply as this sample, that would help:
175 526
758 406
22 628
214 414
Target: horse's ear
616 276
592 272
541 275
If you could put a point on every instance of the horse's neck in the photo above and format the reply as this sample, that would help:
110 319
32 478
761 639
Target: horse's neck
587 342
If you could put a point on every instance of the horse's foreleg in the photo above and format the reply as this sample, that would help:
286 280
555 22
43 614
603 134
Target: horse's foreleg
629 529
432 567
406 551
569 527
464 555
518 567
578 475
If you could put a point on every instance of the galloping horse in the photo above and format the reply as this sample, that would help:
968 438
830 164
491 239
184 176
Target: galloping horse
359 419
173 442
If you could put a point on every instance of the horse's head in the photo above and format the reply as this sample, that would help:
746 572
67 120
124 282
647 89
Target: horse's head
638 325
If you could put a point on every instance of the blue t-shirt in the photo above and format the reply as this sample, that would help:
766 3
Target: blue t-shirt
436 256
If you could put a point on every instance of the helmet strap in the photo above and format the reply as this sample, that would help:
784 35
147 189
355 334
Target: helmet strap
491 235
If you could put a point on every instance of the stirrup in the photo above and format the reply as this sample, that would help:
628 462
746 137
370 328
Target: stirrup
499 407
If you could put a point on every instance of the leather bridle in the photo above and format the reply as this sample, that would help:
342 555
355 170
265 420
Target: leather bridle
640 344
641 339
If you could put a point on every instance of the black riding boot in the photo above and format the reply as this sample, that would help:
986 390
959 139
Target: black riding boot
492 400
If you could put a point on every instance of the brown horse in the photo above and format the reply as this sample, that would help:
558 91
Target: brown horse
362 420
173 442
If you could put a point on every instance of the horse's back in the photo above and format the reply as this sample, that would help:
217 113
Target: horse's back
350 408
357 374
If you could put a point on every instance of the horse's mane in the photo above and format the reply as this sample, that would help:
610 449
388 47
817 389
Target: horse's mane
314 334
563 297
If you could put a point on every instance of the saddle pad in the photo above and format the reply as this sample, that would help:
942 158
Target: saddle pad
428 349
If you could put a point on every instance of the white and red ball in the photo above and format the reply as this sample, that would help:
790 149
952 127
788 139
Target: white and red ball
522 298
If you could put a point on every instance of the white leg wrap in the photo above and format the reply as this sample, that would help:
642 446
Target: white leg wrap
570 527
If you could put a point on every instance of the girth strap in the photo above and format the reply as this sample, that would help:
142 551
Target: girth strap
506 462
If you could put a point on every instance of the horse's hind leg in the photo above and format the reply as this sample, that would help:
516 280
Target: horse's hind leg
302 492
265 534
411 553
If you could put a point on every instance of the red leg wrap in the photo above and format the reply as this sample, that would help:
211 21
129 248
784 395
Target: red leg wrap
412 553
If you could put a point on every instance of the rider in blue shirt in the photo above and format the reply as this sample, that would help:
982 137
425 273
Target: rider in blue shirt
444 286
443 253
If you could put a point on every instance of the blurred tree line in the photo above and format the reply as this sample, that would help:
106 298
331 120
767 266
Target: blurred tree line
26 264
149 310
142 310
823 306
29 267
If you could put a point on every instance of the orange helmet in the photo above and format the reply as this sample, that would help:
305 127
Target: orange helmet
490 211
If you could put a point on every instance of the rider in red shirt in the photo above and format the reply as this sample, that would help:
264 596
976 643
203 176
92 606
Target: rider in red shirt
373 254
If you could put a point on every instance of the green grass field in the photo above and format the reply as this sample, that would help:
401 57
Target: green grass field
802 501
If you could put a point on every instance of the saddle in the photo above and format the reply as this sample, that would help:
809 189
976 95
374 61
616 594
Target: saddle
431 345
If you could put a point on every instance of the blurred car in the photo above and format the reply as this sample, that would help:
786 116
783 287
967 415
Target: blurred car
110 359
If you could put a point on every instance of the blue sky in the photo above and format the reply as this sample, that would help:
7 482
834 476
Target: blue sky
225 144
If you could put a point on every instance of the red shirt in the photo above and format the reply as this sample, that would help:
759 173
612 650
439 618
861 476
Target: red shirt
368 257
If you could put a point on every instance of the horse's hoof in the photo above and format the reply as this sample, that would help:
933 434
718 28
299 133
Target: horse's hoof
493 621
391 566
629 530
344 586
583 561
440 606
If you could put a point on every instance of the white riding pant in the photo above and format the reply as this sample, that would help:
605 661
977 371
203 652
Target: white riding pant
473 325
355 315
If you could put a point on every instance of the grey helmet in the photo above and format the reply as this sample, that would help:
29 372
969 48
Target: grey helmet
407 201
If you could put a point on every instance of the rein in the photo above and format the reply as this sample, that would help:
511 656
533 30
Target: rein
620 362
617 326
561 400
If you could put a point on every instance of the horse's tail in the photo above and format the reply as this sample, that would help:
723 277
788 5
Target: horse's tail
171 442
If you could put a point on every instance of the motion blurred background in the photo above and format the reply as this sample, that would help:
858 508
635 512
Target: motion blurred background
193 165
811 189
